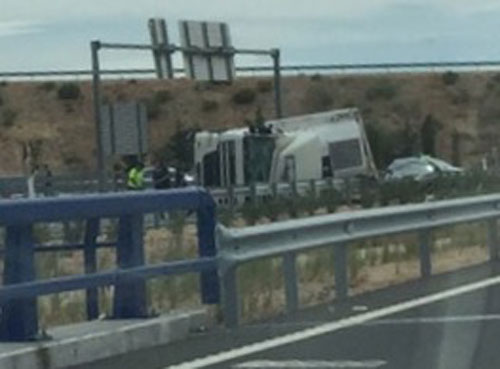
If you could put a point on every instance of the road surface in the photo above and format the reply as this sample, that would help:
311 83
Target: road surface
449 321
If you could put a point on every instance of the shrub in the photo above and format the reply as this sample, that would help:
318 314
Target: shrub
8 117
244 96
153 108
162 96
461 97
264 86
331 198
68 91
316 77
1 100
251 213
3 83
48 86
450 78
208 105
317 98
382 91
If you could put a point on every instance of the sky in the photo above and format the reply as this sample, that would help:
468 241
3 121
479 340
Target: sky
55 34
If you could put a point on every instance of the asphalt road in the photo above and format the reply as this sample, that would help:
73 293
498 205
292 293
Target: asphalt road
449 321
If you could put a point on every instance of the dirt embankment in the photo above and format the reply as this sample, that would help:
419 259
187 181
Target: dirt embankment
465 103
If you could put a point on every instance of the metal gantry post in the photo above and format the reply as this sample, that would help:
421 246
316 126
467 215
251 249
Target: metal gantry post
130 296
19 318
96 94
90 260
276 55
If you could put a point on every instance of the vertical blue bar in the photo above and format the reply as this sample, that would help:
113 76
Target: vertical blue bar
19 319
90 260
130 296
210 289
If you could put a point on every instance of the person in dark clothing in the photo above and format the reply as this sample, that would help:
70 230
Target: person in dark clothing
161 177
48 180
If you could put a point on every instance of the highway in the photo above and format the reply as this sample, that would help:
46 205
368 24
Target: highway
447 321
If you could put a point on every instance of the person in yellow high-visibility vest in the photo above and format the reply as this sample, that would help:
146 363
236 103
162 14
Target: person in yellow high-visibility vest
135 177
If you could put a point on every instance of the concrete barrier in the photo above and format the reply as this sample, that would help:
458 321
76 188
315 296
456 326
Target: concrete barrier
92 341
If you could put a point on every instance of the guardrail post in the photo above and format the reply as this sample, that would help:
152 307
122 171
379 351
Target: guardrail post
291 288
231 303
348 191
253 193
312 185
19 318
210 289
340 271
230 194
90 260
274 190
493 238
425 240
130 296
293 189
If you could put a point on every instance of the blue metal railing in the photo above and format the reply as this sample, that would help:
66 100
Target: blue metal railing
18 296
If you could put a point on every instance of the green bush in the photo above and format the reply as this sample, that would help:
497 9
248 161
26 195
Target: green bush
450 78
68 91
162 96
48 86
275 207
1 100
331 199
384 90
244 96
8 117
208 105
317 98
3 83
264 86
251 213
153 108
316 77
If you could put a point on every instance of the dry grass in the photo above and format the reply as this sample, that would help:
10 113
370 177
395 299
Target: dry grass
68 131
373 264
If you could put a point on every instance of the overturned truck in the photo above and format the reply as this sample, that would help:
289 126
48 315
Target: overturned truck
310 147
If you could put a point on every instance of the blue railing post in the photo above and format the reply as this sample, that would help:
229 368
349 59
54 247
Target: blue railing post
209 281
90 260
130 296
19 319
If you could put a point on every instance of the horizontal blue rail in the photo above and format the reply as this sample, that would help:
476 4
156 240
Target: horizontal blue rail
71 283
18 295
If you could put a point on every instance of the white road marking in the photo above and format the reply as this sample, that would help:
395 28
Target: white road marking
315 364
437 319
333 326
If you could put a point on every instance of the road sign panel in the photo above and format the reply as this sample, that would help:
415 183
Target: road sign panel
218 64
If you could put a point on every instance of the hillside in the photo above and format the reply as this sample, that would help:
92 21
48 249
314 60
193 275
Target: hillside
395 106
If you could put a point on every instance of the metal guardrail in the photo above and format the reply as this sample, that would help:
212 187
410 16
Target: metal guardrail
219 255
287 239
266 69
237 196
19 316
